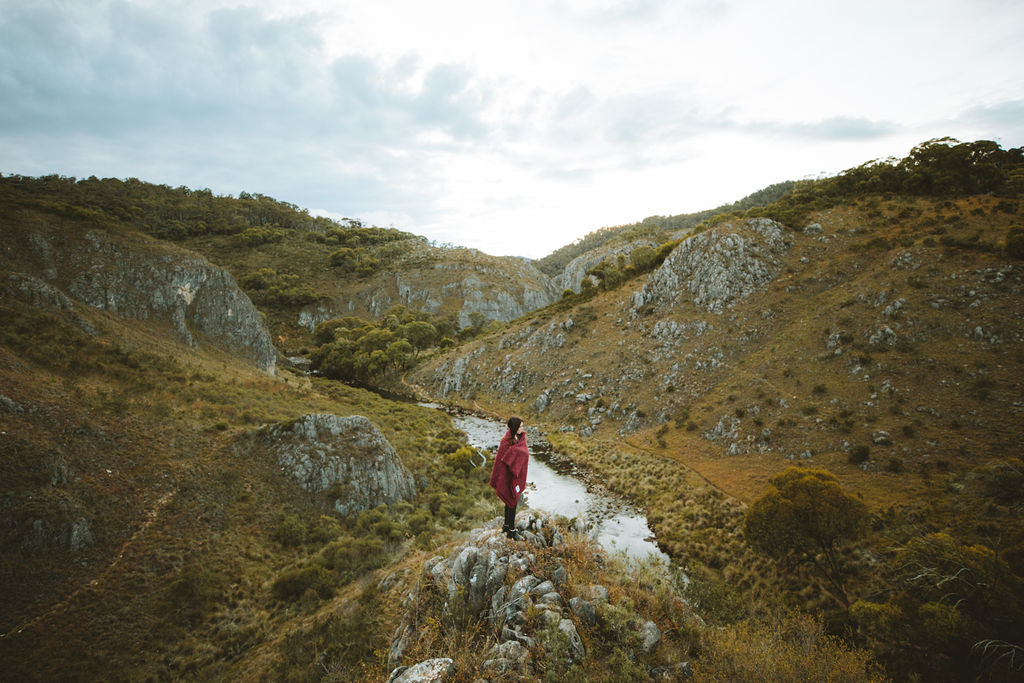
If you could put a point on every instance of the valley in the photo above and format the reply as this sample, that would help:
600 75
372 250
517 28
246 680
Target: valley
198 482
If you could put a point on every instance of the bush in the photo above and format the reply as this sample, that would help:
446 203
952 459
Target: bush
791 647
290 531
351 557
858 454
195 590
1015 242
293 584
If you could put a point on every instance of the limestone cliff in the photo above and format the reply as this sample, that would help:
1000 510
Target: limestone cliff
717 268
576 270
135 277
465 282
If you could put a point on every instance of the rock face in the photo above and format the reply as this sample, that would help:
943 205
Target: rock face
322 450
501 583
441 280
576 270
145 280
717 268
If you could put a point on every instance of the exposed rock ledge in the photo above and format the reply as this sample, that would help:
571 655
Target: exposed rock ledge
717 268
323 451
148 281
493 581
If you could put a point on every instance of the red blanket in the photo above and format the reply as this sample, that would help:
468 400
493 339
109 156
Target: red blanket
508 475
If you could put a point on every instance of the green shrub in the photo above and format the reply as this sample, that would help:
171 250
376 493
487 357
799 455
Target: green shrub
351 557
293 584
1015 242
858 454
894 465
290 531
195 590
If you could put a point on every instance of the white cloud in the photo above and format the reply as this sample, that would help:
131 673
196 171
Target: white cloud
511 127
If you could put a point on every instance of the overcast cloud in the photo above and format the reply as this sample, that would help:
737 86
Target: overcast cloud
511 127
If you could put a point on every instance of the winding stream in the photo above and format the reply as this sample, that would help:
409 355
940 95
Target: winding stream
556 487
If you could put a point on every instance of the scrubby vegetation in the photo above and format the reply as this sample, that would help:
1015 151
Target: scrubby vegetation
882 355
147 536
199 552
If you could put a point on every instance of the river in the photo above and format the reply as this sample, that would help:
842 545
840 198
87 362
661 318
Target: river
554 486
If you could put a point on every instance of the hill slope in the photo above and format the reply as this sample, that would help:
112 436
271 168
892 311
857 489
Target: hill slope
869 324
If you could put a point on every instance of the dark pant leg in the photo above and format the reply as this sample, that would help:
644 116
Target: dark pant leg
510 517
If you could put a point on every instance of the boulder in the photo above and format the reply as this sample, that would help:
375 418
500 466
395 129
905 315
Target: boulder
438 669
576 649
650 636
597 593
324 451
583 609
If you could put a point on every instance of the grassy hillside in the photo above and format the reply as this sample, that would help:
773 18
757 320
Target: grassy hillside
656 228
887 350
197 552
149 535
291 263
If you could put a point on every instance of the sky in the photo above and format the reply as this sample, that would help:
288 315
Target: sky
512 127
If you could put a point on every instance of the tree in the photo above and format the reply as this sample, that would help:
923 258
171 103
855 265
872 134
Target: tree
399 354
803 517
420 334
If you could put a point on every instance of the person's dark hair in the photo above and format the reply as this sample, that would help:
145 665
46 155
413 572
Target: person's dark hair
513 426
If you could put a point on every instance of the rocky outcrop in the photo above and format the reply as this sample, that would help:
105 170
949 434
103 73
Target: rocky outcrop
438 669
465 282
71 534
347 454
576 270
507 585
717 268
144 280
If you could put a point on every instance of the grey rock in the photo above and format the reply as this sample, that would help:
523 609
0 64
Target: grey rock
400 642
551 618
534 539
151 281
559 576
677 672
521 588
574 273
584 610
550 598
576 649
499 607
70 535
10 405
511 650
323 450
38 293
542 402
542 588
597 593
883 336
311 318
430 670
717 268
502 666
650 636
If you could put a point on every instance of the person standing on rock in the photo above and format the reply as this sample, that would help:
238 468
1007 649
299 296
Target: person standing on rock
508 474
